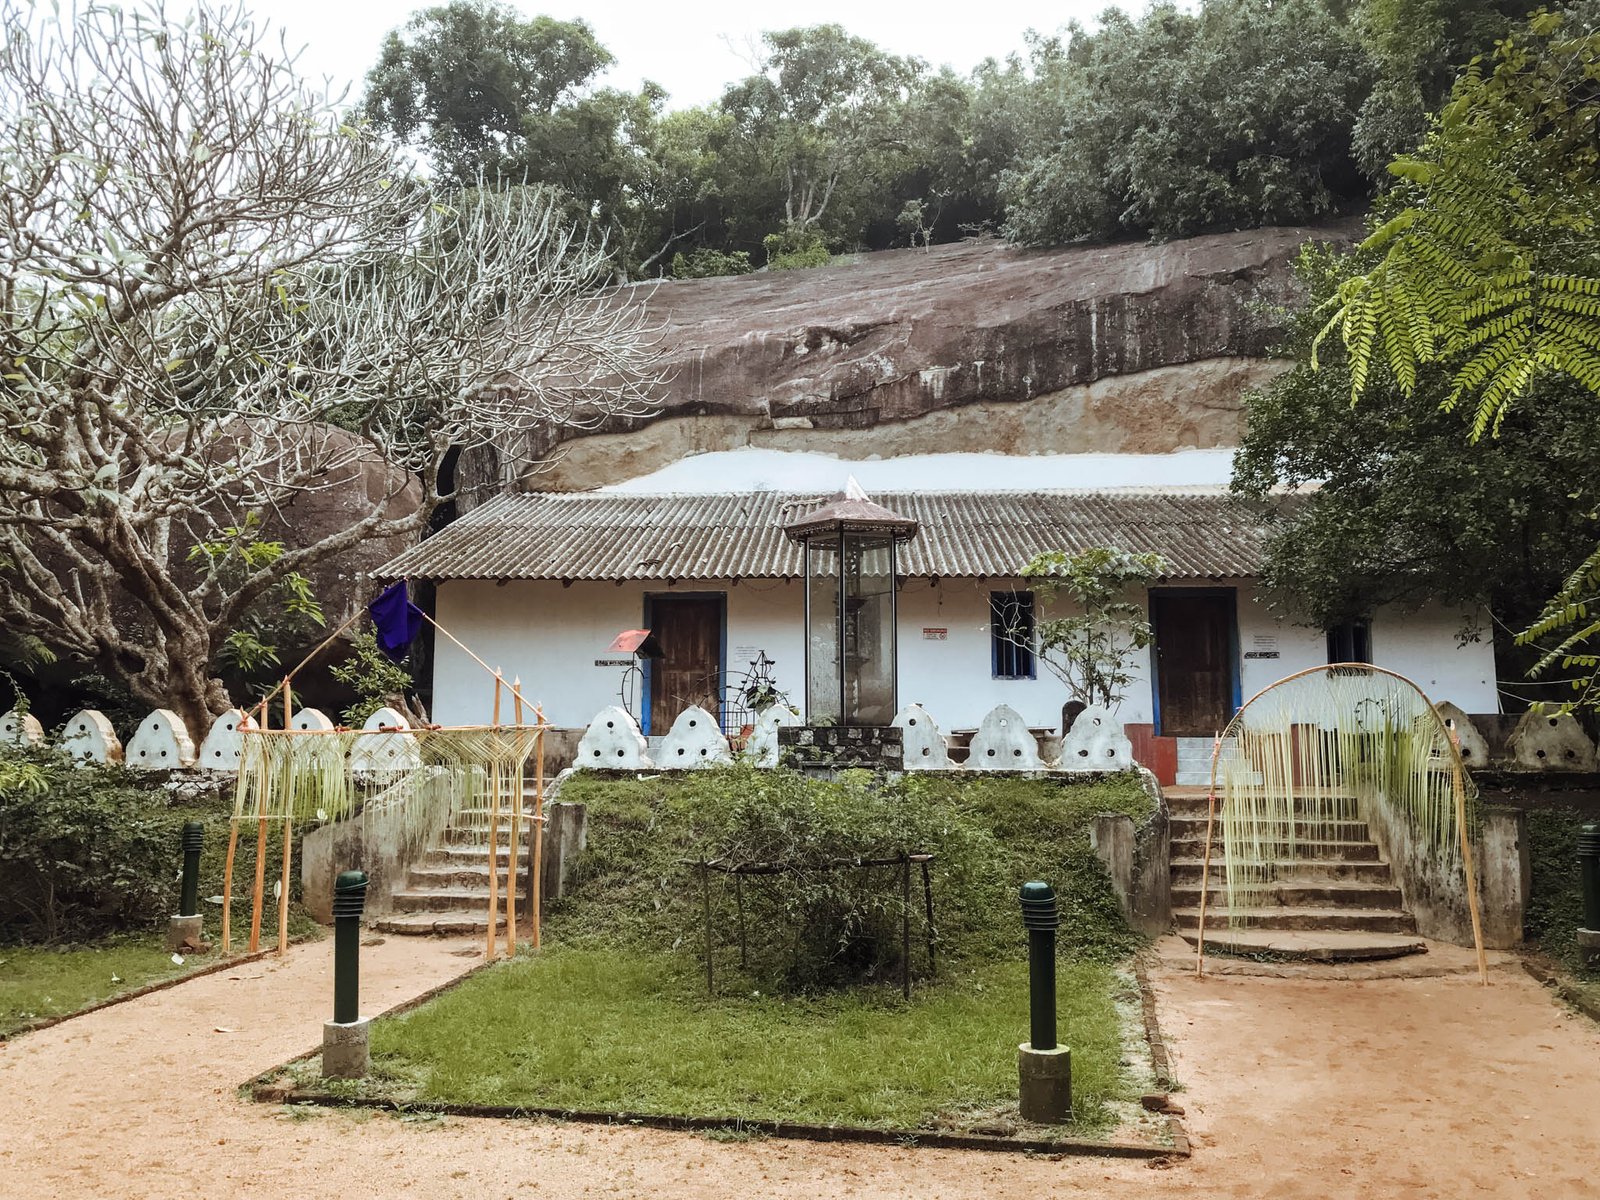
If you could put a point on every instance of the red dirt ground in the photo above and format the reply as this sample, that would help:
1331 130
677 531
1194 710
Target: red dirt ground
1294 1088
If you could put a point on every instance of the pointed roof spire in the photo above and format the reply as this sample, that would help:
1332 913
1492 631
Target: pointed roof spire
852 512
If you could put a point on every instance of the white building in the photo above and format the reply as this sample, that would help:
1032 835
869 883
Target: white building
539 584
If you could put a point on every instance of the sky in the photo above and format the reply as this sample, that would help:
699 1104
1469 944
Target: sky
691 49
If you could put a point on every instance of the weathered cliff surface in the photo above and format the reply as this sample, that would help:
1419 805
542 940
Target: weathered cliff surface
975 346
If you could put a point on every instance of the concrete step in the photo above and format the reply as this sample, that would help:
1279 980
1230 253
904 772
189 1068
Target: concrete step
1356 920
471 856
1338 831
441 924
1361 850
1300 894
1327 945
433 900
457 836
475 879
1196 802
1299 870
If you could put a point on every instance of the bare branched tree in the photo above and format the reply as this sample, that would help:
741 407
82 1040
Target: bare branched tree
218 298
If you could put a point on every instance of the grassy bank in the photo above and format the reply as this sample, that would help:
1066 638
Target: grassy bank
615 1014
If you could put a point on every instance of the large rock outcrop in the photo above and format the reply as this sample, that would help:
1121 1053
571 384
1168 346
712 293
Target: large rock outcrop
973 346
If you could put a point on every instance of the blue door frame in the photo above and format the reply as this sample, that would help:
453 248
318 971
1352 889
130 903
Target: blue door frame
1234 670
722 653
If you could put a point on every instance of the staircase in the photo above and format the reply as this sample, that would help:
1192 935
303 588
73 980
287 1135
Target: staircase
1337 903
447 893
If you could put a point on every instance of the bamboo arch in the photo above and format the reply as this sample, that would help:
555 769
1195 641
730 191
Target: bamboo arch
1346 746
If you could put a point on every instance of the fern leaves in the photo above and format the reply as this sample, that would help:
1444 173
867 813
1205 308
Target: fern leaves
1481 272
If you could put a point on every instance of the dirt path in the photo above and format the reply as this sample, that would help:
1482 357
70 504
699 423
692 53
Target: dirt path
1385 1088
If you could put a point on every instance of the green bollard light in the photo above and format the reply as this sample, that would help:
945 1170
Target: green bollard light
194 836
1044 1068
349 897
345 1053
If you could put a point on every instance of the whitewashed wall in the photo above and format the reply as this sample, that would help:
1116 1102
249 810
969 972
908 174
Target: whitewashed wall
551 637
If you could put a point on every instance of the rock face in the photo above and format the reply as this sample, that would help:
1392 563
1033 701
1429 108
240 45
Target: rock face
1121 348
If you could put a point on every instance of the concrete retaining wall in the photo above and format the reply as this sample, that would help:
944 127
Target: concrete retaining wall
1434 891
1138 858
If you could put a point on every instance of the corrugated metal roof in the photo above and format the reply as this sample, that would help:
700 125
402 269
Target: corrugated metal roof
601 535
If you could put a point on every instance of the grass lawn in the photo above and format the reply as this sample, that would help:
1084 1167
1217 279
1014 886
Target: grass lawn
600 1029
613 1016
38 982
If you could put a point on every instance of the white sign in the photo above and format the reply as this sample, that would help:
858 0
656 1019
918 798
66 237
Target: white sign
935 634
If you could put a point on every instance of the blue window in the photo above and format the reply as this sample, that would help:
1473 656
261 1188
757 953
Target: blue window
1350 642
1011 635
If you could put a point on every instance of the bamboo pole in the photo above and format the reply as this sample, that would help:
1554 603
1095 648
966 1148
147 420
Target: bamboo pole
227 887
288 833
462 646
283 886
1205 863
494 838
1458 777
261 880
536 868
261 841
516 829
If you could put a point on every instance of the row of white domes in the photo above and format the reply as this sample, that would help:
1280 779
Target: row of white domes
163 743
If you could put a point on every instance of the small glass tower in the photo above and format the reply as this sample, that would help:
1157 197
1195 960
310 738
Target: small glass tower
851 548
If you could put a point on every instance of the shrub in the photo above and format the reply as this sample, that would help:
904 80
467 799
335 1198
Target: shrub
795 249
88 851
1555 892
706 263
83 851
636 882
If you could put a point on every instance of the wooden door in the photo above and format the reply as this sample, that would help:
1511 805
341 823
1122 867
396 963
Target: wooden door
689 629
1194 661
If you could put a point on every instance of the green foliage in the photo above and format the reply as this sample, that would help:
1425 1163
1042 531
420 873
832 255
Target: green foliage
1485 267
1236 114
1555 893
1092 651
89 852
615 1016
1219 115
1488 262
635 886
82 852
1417 47
290 610
793 250
1395 506
372 675
706 263
477 83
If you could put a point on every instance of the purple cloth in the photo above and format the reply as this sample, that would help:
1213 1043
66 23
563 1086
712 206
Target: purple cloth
396 620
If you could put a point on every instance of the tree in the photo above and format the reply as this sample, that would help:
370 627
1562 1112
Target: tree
1392 505
1418 47
478 86
218 300
1483 270
1092 651
1233 116
812 125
